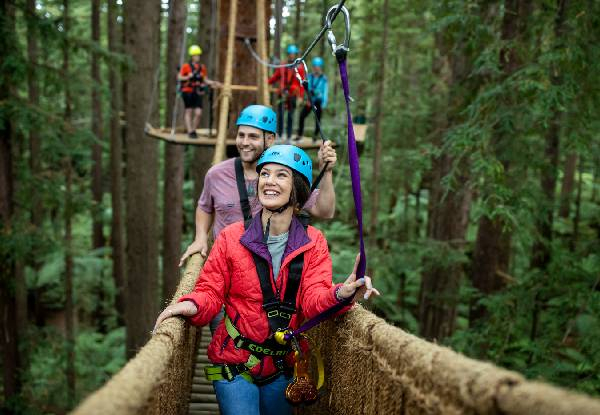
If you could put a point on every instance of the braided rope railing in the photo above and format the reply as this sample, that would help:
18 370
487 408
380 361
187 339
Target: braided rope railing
375 368
158 379
371 366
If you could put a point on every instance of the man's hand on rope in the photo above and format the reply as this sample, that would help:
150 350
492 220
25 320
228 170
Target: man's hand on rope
327 155
199 245
357 288
184 308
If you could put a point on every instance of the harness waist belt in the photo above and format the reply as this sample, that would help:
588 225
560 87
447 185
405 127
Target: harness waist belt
267 348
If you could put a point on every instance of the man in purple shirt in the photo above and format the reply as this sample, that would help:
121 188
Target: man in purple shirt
220 200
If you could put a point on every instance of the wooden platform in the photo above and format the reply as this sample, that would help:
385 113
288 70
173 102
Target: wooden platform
208 138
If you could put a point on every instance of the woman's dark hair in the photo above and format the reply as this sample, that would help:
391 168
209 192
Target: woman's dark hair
300 191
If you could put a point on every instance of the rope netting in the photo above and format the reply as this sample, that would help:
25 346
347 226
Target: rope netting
371 367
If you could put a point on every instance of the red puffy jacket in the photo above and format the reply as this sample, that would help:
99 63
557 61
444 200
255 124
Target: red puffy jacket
229 277
287 81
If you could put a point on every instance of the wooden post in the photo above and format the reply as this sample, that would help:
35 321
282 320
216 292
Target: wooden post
226 93
262 96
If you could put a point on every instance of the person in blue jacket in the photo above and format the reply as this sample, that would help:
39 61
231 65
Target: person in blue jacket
317 85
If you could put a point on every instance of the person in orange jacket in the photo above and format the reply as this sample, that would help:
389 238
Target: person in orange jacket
192 81
289 91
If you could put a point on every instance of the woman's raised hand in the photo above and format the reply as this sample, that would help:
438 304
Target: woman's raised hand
184 308
357 288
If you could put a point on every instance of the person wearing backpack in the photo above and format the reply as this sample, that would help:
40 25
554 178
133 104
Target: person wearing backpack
193 80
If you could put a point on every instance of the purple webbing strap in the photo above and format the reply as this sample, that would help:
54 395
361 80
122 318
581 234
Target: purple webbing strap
355 176
354 169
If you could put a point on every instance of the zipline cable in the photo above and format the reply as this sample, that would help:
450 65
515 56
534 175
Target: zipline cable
326 27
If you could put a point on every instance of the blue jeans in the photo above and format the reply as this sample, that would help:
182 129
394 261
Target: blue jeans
242 397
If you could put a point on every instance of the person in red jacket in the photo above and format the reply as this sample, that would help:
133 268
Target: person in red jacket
289 91
271 273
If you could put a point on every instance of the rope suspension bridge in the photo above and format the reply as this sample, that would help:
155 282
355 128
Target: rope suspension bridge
372 367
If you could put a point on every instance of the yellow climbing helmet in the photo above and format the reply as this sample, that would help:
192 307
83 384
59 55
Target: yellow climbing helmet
195 50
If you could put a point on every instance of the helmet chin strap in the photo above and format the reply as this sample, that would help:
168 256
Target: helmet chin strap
279 210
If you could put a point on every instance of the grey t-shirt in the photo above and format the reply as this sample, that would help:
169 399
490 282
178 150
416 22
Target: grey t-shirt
276 245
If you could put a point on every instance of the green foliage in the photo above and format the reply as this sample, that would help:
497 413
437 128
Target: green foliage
98 357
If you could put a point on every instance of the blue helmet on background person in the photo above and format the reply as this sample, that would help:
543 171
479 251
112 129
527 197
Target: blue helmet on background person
290 156
258 116
292 49
317 61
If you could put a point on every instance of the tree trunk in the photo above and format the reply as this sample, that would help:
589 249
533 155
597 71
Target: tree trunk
448 208
9 333
207 35
141 175
567 185
34 100
379 108
245 68
577 218
545 222
98 130
116 171
69 309
438 297
324 8
278 29
491 255
206 40
174 160
297 21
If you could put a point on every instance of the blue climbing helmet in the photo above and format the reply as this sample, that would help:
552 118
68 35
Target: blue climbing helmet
292 49
317 61
258 116
290 156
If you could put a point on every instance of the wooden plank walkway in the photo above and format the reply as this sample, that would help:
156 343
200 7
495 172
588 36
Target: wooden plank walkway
203 400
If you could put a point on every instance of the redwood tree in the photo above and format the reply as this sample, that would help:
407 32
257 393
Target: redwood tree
98 130
9 341
173 192
141 27
116 156
491 254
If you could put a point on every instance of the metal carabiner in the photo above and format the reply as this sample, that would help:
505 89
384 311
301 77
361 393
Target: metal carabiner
345 47
297 62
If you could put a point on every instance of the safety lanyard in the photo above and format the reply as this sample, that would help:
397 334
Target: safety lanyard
341 52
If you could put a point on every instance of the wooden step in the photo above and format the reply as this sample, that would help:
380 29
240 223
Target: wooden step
204 406
202 358
203 388
201 380
203 397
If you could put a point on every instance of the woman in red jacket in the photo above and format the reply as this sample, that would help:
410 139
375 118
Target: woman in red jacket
272 274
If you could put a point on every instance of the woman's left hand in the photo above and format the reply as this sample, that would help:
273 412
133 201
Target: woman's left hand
357 288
